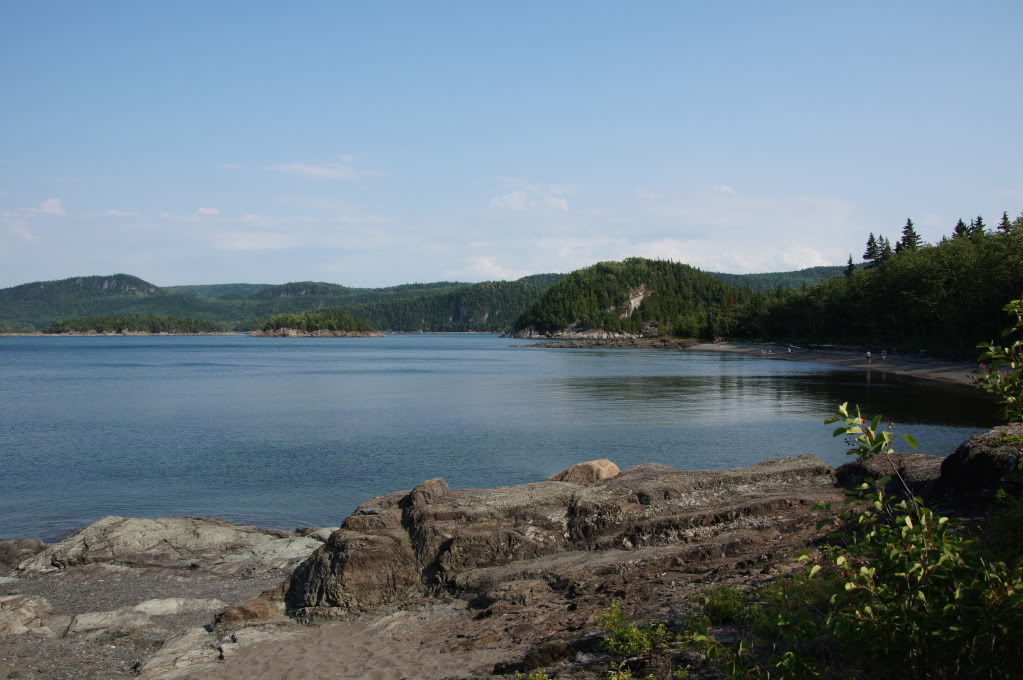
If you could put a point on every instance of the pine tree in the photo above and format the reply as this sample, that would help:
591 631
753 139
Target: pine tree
850 267
886 249
1004 225
910 239
960 229
873 251
977 226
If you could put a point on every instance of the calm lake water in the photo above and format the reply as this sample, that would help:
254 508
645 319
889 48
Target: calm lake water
285 432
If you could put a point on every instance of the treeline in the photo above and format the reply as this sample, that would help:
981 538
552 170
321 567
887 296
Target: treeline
319 320
771 281
680 300
134 324
943 296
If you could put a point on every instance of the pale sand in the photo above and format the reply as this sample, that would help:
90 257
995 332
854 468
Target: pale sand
918 367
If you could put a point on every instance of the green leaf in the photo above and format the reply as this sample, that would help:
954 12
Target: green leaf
815 569
911 440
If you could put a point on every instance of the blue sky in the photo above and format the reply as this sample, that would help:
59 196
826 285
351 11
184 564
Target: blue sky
381 143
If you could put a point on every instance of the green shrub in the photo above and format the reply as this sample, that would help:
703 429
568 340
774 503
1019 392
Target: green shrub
1004 376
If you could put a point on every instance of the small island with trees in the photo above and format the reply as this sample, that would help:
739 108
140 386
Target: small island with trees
326 323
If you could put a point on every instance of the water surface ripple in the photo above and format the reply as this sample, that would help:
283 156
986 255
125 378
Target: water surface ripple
288 432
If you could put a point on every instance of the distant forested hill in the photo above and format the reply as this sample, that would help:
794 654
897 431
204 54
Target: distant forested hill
439 306
634 294
784 280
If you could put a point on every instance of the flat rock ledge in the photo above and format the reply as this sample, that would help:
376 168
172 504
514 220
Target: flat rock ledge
433 541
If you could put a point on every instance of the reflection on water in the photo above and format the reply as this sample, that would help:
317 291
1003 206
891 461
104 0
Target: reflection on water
898 398
286 432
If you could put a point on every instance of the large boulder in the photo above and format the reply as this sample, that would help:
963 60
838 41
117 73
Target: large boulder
975 471
165 542
587 473
433 540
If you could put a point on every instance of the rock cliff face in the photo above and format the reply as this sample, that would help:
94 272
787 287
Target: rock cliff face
497 543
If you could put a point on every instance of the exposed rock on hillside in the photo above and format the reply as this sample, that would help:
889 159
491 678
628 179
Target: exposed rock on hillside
517 542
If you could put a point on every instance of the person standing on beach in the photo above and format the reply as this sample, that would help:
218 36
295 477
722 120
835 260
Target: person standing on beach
868 356
884 353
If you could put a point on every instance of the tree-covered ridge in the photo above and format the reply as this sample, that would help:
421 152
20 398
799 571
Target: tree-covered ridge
233 291
39 304
319 320
134 324
678 299
940 296
490 306
774 280
112 285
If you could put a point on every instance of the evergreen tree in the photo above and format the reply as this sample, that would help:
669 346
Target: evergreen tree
873 251
960 229
910 239
1004 225
850 267
977 226
886 249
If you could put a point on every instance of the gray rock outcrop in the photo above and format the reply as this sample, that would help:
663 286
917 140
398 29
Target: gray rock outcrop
473 543
162 542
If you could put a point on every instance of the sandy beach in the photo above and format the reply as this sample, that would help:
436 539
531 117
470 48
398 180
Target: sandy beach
918 367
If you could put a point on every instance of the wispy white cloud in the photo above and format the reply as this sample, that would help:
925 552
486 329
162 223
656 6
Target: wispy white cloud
343 169
486 267
51 206
513 200
212 212
20 229
723 189
533 197
480 244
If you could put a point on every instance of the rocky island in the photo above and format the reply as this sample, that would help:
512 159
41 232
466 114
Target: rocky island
433 582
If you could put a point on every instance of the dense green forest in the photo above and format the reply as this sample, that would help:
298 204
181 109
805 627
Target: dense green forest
319 320
913 295
681 300
134 324
491 306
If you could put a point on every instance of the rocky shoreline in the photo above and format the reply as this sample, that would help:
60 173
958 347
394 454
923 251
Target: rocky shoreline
613 343
295 333
432 582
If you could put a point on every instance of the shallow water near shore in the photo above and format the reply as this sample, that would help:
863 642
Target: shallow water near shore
288 432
